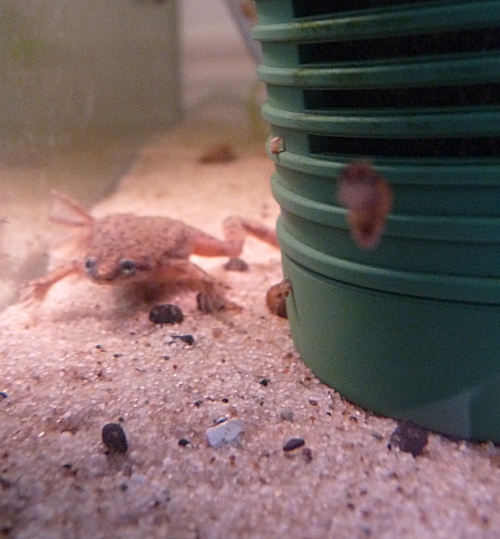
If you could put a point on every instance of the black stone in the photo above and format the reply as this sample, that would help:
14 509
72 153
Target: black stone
114 438
166 313
236 264
293 443
409 437
188 339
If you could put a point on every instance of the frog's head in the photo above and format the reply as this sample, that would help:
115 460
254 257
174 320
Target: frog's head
117 253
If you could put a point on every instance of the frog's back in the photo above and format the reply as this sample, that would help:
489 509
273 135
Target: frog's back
130 236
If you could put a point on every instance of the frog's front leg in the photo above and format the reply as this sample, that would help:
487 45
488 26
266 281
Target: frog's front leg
37 290
235 230
185 272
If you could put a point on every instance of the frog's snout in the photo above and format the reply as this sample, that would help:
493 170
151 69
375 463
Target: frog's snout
92 270
124 268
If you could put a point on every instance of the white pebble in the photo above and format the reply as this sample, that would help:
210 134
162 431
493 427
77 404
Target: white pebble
224 433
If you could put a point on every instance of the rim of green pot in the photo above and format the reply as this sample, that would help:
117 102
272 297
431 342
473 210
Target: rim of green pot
398 20
425 285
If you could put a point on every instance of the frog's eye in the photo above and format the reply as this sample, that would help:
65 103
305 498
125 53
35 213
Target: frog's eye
90 264
127 267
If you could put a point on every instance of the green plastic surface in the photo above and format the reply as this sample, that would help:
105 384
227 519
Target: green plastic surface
412 328
433 362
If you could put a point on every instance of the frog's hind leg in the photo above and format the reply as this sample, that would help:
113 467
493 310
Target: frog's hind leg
70 212
179 271
235 231
239 227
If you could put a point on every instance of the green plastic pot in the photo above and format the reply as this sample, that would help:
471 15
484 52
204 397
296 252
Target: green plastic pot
412 329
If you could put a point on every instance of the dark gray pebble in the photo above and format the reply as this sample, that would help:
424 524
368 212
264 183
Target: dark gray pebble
264 382
236 264
286 414
409 437
293 443
166 313
3 395
188 339
183 442
114 438
307 454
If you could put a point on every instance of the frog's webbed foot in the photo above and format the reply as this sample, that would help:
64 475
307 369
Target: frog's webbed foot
214 302
210 303
210 298
69 212
235 231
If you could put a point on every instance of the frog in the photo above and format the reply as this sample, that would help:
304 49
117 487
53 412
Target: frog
123 248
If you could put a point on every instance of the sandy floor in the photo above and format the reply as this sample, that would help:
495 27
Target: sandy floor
89 356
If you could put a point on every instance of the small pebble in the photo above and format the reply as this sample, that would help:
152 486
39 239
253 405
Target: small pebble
264 382
138 478
224 433
188 339
409 437
166 313
183 442
5 483
3 395
293 443
276 298
236 264
286 414
113 437
307 454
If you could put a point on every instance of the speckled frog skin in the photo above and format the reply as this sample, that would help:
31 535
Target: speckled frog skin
126 248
